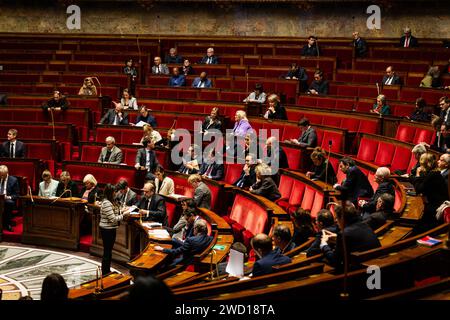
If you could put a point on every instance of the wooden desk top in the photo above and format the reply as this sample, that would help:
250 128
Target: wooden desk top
149 259
111 281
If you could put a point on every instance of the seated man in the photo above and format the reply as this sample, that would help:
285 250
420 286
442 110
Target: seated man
324 221
385 185
159 68
319 86
66 187
384 210
355 184
408 41
358 236
248 175
146 159
202 194
177 79
442 142
211 169
264 185
115 116
210 58
282 238
310 49
111 153
9 187
152 206
173 57
190 161
12 148
202 81
191 246
145 116
47 188
257 96
267 257
57 102
390 78
360 45
124 195
444 165
308 137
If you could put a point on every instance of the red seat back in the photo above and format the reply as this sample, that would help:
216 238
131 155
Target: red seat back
384 154
232 172
367 150
249 214
405 133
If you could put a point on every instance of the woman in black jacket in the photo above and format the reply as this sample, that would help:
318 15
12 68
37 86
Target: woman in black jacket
319 169
275 110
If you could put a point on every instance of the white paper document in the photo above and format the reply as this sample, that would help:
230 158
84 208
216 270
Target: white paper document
235 266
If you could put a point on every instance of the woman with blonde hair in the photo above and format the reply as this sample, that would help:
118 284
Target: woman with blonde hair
319 169
150 134
381 107
88 88
429 182
90 190
127 101
47 188
432 78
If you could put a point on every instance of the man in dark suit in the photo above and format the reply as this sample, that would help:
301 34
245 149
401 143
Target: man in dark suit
115 116
202 194
248 175
12 148
442 142
444 166
211 169
390 78
324 221
56 103
210 58
360 45
384 210
355 184
264 185
145 116
159 68
267 258
385 185
146 159
111 153
408 41
124 195
202 81
9 187
444 104
308 137
193 245
152 206
173 57
310 49
190 161
319 86
282 238
358 236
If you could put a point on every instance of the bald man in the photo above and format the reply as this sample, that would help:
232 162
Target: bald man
268 257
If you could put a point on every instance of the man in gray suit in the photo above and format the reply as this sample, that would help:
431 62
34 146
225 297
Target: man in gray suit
202 194
146 159
124 195
308 137
110 154
159 68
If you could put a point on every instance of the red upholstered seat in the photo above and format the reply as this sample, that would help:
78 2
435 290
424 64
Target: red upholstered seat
384 154
424 135
336 139
308 198
447 215
247 237
171 213
412 163
405 133
232 172
90 153
296 196
368 126
401 158
294 157
371 178
367 150
351 124
398 200
290 132
318 204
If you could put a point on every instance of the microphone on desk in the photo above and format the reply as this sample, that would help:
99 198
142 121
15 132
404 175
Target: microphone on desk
67 190
99 86
30 194
330 143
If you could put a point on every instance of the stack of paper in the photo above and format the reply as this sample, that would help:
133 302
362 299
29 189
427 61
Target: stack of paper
159 233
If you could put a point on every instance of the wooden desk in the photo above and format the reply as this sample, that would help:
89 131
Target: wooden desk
149 259
110 282
52 223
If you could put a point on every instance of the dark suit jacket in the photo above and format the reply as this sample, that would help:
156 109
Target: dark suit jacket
444 175
314 249
95 193
52 103
360 47
72 186
266 188
249 180
321 87
320 172
202 196
20 150
174 59
308 138
12 188
182 169
441 145
412 42
280 113
396 80
141 158
356 185
264 265
309 51
376 219
280 157
108 118
214 60
215 125
129 199
358 237
216 172
195 83
157 209
384 187
191 246
148 119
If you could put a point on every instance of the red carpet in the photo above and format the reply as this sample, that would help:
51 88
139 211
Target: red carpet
85 243
16 234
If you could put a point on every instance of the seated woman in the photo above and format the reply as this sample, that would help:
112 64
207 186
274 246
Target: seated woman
212 121
66 187
127 101
319 86
257 96
265 186
319 170
303 226
187 68
381 107
432 79
88 88
150 134
57 102
163 184
90 190
419 114
275 110
47 188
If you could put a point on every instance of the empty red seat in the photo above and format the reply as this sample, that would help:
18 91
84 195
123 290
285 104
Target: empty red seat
232 172
384 154
367 149
405 133
401 158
